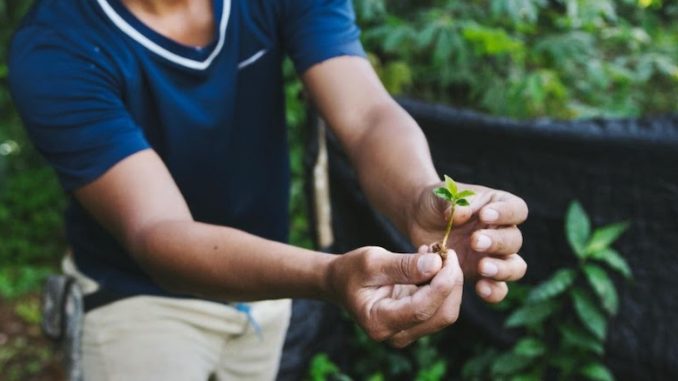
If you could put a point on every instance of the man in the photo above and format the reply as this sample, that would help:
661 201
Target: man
165 123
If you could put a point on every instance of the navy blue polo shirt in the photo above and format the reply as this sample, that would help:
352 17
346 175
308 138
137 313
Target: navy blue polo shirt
93 85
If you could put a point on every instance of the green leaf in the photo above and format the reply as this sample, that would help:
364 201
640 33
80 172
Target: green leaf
534 375
443 193
509 363
597 372
576 337
605 236
477 367
466 193
531 314
589 314
554 286
603 287
577 228
450 185
613 259
462 202
435 373
530 347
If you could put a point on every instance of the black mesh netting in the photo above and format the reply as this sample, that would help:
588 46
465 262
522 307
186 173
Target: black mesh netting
618 169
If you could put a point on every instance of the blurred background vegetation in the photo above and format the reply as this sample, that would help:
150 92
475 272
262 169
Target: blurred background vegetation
560 59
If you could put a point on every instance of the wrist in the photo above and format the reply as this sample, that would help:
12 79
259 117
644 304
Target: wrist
325 283
418 203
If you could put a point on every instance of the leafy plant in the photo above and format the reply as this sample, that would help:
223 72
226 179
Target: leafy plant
450 193
528 58
565 318
372 361
322 368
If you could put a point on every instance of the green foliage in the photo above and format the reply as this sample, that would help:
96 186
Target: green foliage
554 286
532 314
18 280
528 58
565 317
31 218
577 228
614 260
29 311
296 118
589 314
597 372
603 287
603 237
322 368
30 198
21 359
373 361
31 206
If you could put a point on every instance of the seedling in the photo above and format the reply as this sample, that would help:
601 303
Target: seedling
450 193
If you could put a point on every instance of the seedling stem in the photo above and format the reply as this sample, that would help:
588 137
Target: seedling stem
450 193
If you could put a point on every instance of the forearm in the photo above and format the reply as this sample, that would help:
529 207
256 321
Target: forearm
223 263
393 162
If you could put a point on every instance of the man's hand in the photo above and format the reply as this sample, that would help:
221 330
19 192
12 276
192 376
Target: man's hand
398 297
485 235
392 161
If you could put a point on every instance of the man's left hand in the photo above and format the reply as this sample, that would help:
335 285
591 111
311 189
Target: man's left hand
485 235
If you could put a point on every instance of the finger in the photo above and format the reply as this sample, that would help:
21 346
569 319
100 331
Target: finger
509 210
446 315
407 268
510 268
461 214
502 241
491 291
423 249
400 314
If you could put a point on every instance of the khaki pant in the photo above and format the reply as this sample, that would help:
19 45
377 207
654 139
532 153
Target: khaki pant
147 338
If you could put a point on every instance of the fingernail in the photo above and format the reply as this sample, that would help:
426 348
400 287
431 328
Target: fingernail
427 263
489 215
484 290
483 242
489 269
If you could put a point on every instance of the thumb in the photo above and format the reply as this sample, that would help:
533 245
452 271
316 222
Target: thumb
411 268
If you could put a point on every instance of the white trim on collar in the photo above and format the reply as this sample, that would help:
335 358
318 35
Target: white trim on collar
159 50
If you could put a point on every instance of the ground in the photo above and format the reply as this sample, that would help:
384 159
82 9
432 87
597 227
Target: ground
25 354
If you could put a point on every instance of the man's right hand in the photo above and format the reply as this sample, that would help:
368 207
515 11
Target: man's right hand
394 297
398 298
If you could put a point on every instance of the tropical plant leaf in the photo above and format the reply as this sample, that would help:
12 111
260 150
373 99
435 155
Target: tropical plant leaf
589 314
529 347
531 314
603 237
451 185
434 373
603 287
443 193
577 228
466 193
578 338
597 372
476 368
462 202
534 375
509 363
554 286
614 260
564 362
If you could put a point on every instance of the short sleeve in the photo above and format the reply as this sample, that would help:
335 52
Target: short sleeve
69 100
317 30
